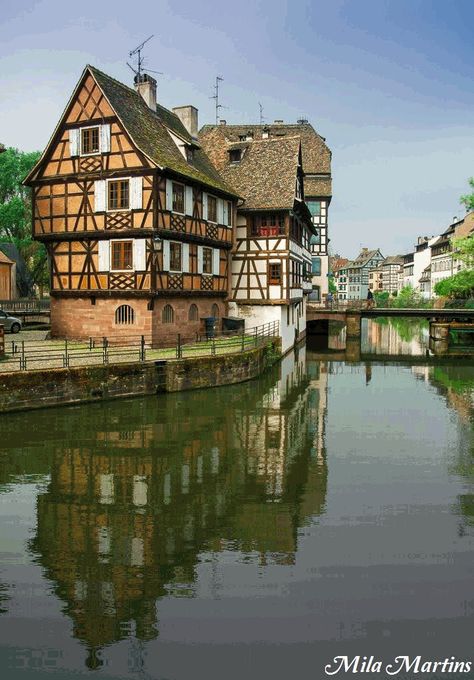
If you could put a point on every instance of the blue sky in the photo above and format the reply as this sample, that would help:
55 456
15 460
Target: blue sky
387 82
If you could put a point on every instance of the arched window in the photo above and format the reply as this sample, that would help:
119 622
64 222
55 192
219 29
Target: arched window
168 314
193 314
215 311
124 315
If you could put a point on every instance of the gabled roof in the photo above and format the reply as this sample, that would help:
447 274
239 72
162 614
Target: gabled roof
149 131
266 175
363 258
4 259
393 259
316 153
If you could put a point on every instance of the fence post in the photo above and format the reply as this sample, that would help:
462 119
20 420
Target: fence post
243 342
105 357
66 357
213 346
256 329
142 348
23 359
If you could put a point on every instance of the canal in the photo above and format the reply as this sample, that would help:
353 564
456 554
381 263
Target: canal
254 531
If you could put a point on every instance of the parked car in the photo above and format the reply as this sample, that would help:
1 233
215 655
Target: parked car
10 323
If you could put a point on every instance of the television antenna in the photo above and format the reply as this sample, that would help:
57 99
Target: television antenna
215 96
262 117
140 60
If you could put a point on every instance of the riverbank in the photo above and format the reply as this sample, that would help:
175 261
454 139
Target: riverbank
64 386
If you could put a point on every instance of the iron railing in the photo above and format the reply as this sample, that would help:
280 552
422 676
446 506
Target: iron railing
25 305
24 355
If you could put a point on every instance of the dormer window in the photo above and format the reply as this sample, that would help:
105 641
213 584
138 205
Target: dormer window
90 143
189 154
235 155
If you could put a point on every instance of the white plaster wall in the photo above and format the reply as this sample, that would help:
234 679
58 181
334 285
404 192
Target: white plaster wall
322 280
256 315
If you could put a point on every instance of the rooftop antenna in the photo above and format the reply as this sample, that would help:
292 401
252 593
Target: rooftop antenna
140 60
262 117
216 97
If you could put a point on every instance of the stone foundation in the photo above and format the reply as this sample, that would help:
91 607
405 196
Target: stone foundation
82 318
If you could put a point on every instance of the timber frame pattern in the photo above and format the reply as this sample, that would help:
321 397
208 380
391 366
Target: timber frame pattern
71 223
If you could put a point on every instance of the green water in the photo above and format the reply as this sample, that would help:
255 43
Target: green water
254 531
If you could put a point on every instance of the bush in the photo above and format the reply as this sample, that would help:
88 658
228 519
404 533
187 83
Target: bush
381 297
461 285
408 297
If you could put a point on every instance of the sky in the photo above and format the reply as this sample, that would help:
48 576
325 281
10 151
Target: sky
388 83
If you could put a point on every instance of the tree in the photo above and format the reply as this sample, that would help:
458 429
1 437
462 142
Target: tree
461 285
468 199
15 211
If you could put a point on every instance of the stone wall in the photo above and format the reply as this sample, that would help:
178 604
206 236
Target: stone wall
81 318
62 386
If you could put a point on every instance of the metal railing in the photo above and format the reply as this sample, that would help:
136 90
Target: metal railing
23 355
25 305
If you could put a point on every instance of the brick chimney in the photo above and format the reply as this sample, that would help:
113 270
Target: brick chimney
145 85
188 115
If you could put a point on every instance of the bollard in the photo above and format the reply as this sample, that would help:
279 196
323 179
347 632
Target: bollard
2 341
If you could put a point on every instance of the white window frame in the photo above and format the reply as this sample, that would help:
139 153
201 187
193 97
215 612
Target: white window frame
176 271
175 212
116 179
94 153
117 240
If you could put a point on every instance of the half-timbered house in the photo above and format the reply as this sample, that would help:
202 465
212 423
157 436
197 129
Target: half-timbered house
316 157
271 261
136 220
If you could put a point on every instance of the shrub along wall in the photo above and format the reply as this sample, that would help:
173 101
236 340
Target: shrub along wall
62 386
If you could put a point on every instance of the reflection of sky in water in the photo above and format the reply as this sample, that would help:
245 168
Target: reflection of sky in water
201 533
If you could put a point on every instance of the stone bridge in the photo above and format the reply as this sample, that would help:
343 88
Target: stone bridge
317 318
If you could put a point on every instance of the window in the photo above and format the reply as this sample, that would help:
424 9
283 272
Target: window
118 195
212 209
178 198
207 260
316 266
268 224
168 314
175 257
89 140
124 315
314 208
189 154
121 255
235 155
215 311
193 314
274 273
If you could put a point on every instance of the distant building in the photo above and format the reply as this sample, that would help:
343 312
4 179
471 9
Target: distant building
442 263
408 267
354 277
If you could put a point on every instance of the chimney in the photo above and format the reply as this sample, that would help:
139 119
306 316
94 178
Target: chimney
278 121
188 115
145 85
222 122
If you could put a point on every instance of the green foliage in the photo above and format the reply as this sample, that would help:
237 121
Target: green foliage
381 297
463 250
461 285
332 285
468 199
409 298
15 211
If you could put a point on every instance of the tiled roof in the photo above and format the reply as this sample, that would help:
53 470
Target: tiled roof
316 153
362 259
149 131
266 175
393 259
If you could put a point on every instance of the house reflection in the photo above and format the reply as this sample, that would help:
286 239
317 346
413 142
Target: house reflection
140 489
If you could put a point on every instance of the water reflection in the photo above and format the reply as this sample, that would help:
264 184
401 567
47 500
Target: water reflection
208 518
137 495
